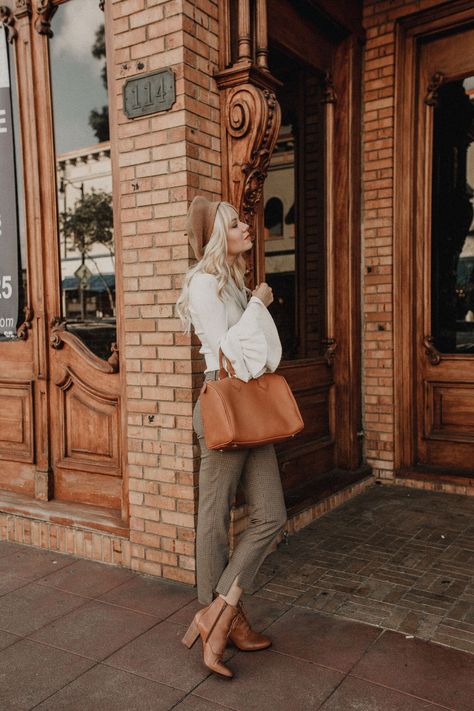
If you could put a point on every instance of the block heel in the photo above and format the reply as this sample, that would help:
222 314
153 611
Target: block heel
191 635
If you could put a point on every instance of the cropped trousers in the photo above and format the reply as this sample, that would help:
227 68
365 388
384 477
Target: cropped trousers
219 475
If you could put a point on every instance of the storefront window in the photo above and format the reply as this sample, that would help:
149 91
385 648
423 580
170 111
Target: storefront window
294 212
452 218
13 259
83 171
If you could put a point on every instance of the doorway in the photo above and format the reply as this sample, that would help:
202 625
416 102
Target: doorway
436 314
310 251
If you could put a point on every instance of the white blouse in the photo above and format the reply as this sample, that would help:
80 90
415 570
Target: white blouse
246 332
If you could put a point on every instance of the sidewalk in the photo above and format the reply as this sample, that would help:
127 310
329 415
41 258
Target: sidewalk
80 636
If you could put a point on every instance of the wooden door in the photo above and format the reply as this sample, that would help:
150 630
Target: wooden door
309 253
84 383
444 253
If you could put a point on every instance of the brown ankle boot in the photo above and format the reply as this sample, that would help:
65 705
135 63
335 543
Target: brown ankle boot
213 623
244 637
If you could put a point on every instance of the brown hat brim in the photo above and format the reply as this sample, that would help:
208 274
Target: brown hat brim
200 223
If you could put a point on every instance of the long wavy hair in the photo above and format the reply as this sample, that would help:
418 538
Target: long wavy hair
214 261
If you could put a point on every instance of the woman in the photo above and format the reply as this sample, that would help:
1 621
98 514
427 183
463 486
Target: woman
215 301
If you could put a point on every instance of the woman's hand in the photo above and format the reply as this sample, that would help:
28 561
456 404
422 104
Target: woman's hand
264 293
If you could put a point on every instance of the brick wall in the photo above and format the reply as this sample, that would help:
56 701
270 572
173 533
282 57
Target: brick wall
377 180
163 160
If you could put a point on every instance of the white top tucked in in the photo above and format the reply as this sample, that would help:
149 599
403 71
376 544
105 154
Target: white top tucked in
245 331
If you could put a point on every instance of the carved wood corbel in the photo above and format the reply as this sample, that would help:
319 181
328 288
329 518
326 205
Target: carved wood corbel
23 328
431 98
252 121
60 335
329 92
7 20
330 352
250 113
22 8
434 356
45 10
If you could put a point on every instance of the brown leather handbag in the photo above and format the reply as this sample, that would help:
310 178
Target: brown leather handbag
238 415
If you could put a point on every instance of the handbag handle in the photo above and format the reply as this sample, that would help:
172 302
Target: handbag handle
223 373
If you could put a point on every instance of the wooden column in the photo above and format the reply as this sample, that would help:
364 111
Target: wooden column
250 112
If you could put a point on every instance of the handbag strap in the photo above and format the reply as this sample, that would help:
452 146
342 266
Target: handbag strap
223 373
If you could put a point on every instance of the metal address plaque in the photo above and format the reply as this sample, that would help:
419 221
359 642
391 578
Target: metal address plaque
149 93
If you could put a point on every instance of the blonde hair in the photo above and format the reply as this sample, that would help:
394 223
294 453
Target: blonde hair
214 261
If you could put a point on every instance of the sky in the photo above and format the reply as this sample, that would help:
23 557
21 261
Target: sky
75 73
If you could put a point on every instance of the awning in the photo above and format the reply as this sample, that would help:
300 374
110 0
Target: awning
95 283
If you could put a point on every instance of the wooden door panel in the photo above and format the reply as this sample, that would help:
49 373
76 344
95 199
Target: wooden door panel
443 225
89 421
311 452
450 411
16 421
86 424
87 488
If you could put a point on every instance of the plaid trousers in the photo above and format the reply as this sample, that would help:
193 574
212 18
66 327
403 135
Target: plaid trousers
219 475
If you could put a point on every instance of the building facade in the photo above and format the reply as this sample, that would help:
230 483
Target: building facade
343 133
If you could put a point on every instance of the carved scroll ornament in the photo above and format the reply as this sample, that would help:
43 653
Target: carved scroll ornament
330 352
60 335
22 8
329 92
45 10
434 356
431 98
252 119
23 328
7 19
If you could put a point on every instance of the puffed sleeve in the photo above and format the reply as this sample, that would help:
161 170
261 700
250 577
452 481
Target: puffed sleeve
252 345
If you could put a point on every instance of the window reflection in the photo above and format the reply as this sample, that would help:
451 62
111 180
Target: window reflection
84 176
294 212
20 192
452 218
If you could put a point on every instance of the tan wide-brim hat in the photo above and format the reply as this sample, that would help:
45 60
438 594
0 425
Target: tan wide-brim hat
200 223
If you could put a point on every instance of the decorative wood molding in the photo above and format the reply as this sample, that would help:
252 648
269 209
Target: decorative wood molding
17 436
113 359
330 352
431 351
23 328
45 10
251 117
250 111
431 98
329 92
22 8
60 335
7 19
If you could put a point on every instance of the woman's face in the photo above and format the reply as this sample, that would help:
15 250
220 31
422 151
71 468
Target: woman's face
238 238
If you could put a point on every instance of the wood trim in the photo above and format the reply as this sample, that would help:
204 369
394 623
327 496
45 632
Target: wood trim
28 93
329 100
94 518
300 224
22 451
435 477
119 305
60 335
403 272
410 32
346 71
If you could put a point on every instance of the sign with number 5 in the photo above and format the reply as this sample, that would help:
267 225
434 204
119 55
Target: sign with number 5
9 252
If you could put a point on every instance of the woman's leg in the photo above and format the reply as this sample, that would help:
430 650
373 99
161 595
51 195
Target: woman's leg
267 517
219 476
